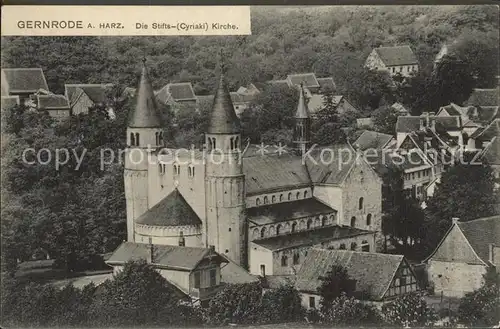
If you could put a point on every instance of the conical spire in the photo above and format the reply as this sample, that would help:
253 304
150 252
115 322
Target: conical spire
302 110
223 119
146 113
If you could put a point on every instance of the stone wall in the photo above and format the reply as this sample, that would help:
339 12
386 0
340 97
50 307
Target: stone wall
455 279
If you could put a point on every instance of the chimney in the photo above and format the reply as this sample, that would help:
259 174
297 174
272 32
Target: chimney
455 220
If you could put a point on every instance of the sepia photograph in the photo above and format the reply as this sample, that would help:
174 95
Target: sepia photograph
338 166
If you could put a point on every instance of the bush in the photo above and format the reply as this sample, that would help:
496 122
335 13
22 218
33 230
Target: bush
408 309
281 305
346 310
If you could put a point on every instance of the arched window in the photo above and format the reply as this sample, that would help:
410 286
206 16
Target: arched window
353 221
332 219
305 194
177 169
160 169
309 223
294 227
231 141
263 232
289 196
296 259
236 142
298 195
257 202
281 197
160 138
323 221
191 171
273 199
369 219
256 233
157 139
342 246
132 139
284 260
365 246
317 222
278 229
137 139
354 246
361 203
266 200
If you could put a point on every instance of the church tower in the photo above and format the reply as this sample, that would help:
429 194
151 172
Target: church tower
144 135
302 132
225 225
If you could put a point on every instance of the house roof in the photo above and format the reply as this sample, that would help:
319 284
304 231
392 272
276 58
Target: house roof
309 79
49 102
24 80
399 55
484 97
489 132
96 92
232 273
491 152
279 83
173 257
145 114
223 119
326 84
399 107
273 213
406 124
481 233
333 166
274 172
9 101
373 272
181 91
372 140
309 237
173 210
277 281
241 98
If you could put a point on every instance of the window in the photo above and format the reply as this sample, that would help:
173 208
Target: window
296 259
197 279
256 233
361 203
156 136
257 202
231 141
309 223
132 139
342 246
312 302
213 277
262 270
353 221
365 246
281 197
305 194
369 219
266 200
294 227
177 169
160 138
273 199
289 196
236 142
323 221
298 195
263 232
284 261
191 171
137 139
182 240
418 174
278 229
354 246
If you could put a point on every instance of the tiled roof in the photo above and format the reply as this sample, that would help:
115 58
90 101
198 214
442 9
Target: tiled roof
173 210
399 55
454 109
96 92
326 84
382 161
273 172
334 167
145 114
232 273
481 233
48 102
279 83
9 101
278 212
277 281
223 119
309 79
406 124
241 98
489 132
163 95
309 237
24 80
399 107
372 140
181 91
492 152
373 272
173 257
484 97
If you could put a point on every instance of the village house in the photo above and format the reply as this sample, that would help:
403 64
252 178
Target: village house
467 250
395 60
376 277
23 83
485 98
83 97
315 102
177 95
491 155
309 80
374 140
483 136
9 102
56 105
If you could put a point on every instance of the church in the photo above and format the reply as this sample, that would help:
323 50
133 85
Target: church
261 211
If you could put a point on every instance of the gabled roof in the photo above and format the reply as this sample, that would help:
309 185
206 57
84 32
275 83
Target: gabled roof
279 83
170 257
372 140
491 152
481 233
273 213
407 124
310 237
309 79
333 170
173 210
223 119
274 173
52 102
180 91
373 272
488 133
399 55
327 84
232 273
484 97
96 92
145 114
399 107
9 101
23 80
241 98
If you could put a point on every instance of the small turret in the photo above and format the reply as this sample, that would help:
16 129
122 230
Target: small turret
302 123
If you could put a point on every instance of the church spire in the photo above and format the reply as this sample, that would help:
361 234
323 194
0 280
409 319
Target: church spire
302 110
145 114
223 119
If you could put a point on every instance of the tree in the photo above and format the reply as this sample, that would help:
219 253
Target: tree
384 119
281 305
345 310
335 282
410 309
